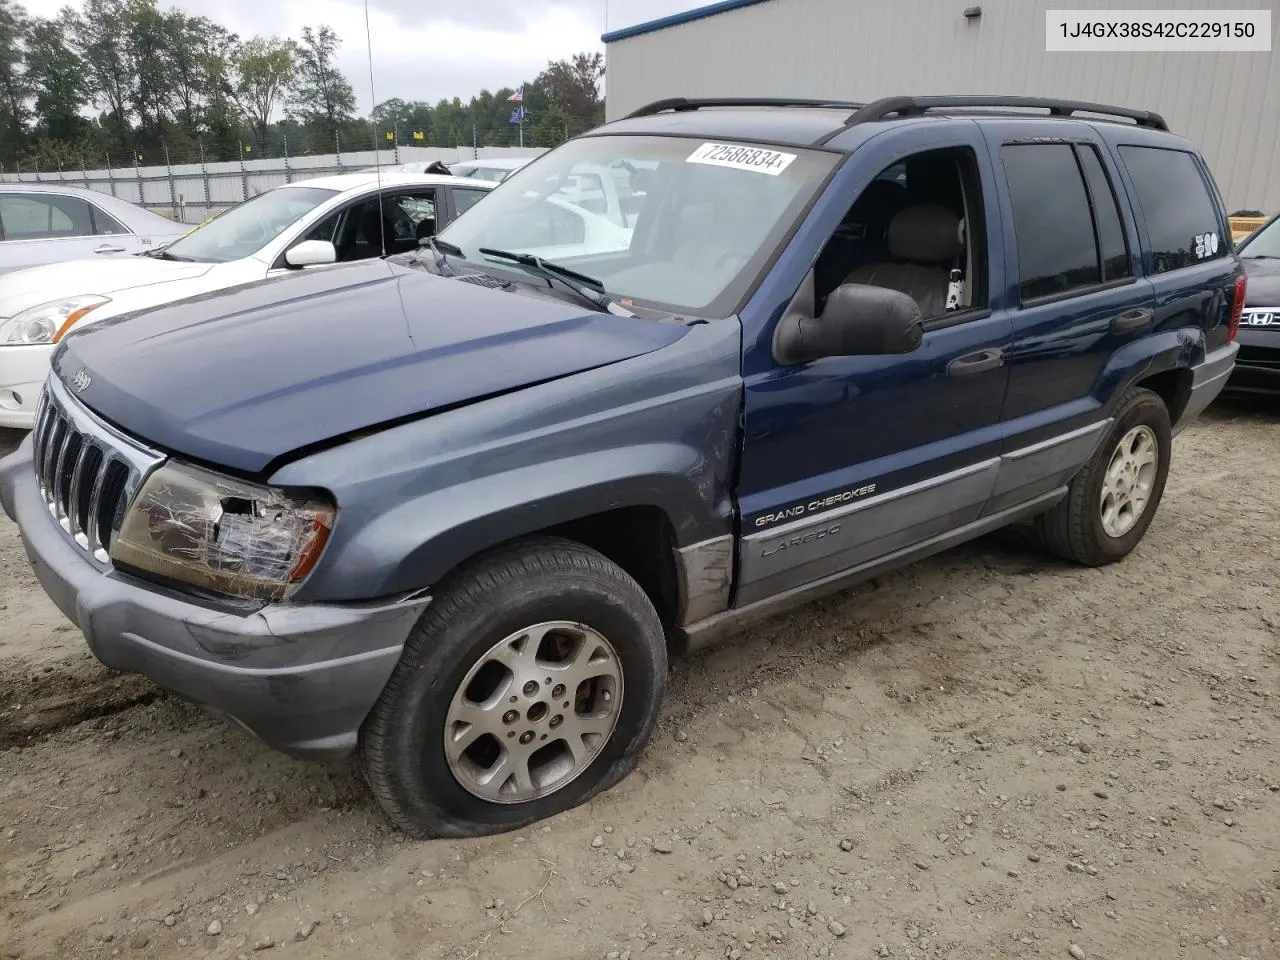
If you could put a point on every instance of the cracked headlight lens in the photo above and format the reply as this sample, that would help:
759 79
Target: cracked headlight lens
223 534
48 322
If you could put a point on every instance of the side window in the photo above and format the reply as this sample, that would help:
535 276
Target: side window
38 217
1057 250
106 225
414 217
358 229
1106 214
916 228
1182 221
464 199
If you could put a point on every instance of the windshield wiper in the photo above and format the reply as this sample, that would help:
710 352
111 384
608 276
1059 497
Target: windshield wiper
1259 256
586 287
163 254
440 248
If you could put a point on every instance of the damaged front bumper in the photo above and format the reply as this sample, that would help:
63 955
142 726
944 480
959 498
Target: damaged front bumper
301 677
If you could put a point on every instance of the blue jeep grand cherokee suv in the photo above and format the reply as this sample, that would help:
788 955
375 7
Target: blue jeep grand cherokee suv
454 509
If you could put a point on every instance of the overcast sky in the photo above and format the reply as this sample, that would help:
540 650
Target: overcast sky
429 49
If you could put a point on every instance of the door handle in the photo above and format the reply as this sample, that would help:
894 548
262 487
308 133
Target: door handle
972 363
108 248
1133 320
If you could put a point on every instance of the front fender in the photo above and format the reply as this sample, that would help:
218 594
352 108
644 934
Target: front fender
416 500
432 534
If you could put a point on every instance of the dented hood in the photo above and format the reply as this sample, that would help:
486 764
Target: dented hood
242 377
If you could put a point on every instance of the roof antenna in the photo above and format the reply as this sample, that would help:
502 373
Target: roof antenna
377 153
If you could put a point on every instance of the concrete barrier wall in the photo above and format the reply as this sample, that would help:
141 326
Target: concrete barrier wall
192 192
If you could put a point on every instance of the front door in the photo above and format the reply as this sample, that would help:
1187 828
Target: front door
850 459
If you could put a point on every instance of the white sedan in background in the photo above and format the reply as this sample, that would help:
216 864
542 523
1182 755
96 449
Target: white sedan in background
304 225
48 223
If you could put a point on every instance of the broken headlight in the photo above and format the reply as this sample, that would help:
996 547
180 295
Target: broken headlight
222 534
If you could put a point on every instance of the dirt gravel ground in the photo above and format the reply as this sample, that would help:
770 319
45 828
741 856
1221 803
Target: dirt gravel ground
990 754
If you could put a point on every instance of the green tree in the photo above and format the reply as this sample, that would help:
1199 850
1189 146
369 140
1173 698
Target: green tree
574 84
57 80
322 96
14 83
264 70
101 36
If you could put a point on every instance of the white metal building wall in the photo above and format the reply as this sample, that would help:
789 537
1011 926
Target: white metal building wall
1228 104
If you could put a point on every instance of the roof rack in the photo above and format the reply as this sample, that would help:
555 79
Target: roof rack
917 106
681 104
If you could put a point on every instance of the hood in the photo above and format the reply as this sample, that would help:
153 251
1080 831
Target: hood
105 275
1263 289
240 377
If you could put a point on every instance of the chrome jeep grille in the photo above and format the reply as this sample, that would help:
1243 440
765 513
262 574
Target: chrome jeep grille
87 470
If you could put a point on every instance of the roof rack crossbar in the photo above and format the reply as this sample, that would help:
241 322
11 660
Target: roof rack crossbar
681 104
917 106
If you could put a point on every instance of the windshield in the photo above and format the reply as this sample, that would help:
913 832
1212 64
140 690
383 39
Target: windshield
678 224
248 227
1264 243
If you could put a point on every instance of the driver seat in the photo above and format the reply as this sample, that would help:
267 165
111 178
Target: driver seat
924 244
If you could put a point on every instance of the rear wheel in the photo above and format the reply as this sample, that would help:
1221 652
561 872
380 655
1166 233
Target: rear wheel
1113 499
532 682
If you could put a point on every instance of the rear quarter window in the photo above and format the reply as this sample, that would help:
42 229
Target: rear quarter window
1182 220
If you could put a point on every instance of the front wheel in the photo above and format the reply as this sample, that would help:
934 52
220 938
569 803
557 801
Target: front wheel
1113 499
532 682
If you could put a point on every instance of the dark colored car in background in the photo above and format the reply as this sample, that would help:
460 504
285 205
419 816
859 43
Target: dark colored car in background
1257 371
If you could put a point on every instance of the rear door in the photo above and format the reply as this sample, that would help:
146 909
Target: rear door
40 228
1076 293
1184 224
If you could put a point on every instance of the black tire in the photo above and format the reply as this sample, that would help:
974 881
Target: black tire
1073 529
529 582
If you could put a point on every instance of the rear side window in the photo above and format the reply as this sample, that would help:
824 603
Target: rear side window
106 224
36 216
1057 249
465 199
1106 214
1179 210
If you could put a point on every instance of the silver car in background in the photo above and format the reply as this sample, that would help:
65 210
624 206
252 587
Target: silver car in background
44 223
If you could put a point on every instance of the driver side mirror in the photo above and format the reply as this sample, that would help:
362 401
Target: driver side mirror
859 320
310 253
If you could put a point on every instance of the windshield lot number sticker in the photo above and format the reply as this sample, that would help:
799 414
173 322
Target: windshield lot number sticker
738 157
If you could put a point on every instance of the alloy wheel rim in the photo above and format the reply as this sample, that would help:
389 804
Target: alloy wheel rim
1129 480
533 712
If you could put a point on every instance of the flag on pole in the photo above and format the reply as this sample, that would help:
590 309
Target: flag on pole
517 115
517 97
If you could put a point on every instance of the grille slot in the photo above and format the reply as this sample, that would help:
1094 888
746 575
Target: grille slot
484 280
1259 356
86 472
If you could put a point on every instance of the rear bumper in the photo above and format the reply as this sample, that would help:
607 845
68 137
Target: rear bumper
301 677
1207 381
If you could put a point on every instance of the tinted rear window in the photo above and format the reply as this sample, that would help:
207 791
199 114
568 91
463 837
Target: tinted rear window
1181 217
1057 251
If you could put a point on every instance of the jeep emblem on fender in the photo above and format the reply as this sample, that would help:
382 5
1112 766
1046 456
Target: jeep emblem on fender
81 381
